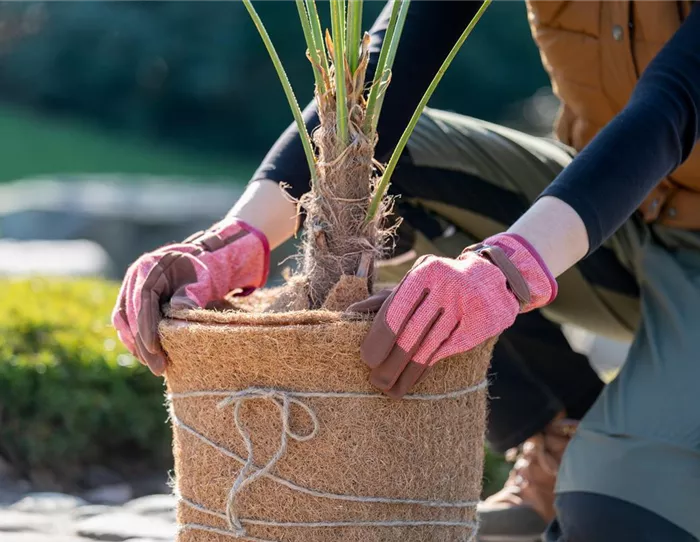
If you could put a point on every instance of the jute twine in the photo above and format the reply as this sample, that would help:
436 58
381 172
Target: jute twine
250 472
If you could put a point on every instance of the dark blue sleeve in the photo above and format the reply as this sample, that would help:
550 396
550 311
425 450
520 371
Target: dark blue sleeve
649 139
430 31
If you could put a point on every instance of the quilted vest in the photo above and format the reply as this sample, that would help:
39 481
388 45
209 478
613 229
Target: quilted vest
594 52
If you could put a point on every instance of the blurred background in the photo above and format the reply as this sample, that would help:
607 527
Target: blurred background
127 125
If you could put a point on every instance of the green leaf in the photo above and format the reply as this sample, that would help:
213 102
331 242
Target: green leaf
317 33
383 184
383 71
354 38
288 91
311 45
338 30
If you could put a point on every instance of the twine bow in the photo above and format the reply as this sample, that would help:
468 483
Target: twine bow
250 473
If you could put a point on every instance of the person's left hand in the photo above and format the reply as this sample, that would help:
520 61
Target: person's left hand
445 306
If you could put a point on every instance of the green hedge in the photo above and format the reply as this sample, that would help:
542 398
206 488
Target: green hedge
70 394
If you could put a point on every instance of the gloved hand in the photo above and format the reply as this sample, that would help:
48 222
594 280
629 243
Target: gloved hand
445 306
198 272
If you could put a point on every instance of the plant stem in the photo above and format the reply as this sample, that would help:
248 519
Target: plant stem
338 30
317 34
354 26
391 55
310 45
380 74
383 185
288 91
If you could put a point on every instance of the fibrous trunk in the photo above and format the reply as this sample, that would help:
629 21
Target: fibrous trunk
339 240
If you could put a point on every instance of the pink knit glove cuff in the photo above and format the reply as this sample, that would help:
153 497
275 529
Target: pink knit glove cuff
540 283
237 257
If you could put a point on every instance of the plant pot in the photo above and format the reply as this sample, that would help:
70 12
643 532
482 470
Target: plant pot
278 436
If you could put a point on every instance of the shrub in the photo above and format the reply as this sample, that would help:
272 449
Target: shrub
495 472
70 394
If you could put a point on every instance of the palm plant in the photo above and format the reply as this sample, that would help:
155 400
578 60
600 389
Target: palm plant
348 203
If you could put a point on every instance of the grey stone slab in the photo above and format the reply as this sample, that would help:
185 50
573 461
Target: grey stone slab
39 537
110 494
142 197
125 526
125 215
48 503
92 510
152 504
54 258
14 521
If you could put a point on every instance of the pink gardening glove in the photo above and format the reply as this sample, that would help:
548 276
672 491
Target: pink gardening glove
198 272
445 306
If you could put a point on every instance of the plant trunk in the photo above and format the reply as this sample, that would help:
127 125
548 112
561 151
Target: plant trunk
339 240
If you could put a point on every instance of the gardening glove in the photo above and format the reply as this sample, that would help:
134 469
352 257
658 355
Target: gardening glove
445 306
197 273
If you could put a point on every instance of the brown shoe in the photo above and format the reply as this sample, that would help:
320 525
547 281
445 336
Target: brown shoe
521 511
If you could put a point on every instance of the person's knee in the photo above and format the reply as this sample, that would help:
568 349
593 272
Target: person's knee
590 517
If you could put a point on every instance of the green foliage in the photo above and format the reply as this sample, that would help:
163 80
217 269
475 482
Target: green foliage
354 33
70 394
338 31
383 185
495 472
196 72
287 87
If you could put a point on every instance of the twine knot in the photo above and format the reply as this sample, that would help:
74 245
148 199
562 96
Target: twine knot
250 473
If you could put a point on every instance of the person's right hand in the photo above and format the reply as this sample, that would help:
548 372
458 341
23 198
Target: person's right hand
196 273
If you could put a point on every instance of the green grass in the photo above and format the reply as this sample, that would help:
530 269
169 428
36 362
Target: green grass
33 145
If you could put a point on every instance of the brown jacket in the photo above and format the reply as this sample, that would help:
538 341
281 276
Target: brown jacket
594 52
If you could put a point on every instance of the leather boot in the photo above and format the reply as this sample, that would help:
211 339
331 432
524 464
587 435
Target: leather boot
521 511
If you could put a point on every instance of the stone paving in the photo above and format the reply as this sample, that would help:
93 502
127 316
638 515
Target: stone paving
56 517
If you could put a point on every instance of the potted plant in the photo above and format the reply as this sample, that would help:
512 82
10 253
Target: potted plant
278 435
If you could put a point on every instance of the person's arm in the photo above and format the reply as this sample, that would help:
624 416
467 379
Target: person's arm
265 206
611 177
556 231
